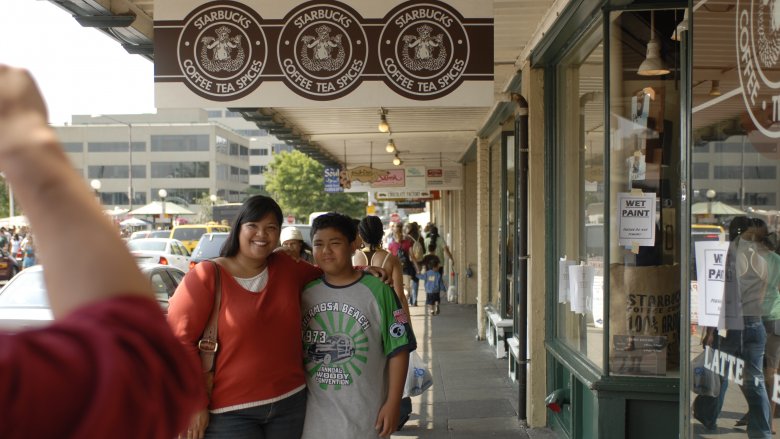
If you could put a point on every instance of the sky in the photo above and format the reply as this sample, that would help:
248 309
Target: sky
79 70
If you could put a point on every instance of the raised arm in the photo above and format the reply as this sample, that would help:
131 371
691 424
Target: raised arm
61 209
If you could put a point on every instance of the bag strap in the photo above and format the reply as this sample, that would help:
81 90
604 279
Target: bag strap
207 345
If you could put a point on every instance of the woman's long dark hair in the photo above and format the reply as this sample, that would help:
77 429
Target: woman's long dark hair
434 237
371 230
254 209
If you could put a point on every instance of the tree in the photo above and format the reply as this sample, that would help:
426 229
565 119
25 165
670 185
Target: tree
4 202
295 181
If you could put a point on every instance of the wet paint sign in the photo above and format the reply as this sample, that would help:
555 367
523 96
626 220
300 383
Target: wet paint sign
636 219
711 279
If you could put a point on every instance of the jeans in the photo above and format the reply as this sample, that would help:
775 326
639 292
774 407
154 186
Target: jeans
278 420
753 344
413 291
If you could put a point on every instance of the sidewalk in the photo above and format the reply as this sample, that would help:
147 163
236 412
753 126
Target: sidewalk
472 396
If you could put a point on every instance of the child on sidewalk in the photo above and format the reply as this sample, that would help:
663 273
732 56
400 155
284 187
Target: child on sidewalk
434 284
356 342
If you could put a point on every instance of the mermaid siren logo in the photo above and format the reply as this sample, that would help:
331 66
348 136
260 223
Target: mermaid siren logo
424 46
758 54
221 47
322 45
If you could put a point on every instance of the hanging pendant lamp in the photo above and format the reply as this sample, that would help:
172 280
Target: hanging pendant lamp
653 65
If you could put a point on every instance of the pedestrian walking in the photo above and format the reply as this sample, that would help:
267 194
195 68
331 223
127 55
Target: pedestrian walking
434 285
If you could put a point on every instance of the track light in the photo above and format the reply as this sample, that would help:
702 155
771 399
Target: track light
397 160
390 146
383 126
653 65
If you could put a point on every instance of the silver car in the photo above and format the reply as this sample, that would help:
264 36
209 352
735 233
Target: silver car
24 303
163 251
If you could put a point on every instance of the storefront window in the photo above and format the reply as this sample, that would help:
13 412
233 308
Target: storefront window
579 177
508 183
734 263
644 194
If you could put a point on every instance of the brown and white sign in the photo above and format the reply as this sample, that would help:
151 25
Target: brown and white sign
263 53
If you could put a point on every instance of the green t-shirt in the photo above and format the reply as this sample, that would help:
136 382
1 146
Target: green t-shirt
771 304
348 334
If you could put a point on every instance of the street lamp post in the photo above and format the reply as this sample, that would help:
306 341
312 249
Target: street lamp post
162 193
129 157
213 198
710 196
96 185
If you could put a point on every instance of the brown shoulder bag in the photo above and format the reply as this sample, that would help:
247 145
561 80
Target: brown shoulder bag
208 345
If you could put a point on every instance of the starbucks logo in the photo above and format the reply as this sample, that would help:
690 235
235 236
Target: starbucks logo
222 50
758 55
322 50
424 50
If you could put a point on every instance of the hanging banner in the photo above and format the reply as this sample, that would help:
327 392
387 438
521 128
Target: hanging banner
332 183
450 177
323 53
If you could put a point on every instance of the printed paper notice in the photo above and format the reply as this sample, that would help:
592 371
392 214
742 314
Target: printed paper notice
711 279
636 219
563 279
580 287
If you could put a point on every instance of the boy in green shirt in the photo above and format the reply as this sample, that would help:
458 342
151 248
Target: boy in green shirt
356 340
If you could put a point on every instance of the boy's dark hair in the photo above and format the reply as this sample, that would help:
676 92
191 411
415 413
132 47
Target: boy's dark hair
430 261
254 209
333 220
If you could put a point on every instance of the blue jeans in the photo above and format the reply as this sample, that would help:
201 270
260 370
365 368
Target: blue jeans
413 293
278 420
753 344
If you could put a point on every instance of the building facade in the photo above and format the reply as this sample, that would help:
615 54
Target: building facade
182 151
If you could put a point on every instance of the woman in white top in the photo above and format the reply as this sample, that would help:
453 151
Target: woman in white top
371 231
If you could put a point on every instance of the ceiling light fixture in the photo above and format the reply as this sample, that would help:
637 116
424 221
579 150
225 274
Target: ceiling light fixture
383 126
682 27
653 65
715 88
390 146
397 160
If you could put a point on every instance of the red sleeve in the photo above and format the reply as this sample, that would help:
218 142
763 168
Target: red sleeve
109 369
190 306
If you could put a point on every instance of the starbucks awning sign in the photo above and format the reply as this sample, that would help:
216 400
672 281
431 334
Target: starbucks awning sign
260 53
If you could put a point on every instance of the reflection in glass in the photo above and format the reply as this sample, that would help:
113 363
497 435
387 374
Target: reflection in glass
734 300
580 198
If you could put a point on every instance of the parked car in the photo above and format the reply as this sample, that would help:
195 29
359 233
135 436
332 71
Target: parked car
189 234
160 251
9 265
150 234
208 247
24 303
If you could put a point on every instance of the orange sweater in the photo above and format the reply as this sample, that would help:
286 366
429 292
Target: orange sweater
260 353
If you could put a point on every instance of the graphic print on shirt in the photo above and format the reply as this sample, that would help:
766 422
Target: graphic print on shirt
335 343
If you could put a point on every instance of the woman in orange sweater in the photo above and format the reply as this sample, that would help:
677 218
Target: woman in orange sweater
259 385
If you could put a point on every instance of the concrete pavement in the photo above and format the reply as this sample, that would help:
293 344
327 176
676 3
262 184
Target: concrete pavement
472 396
